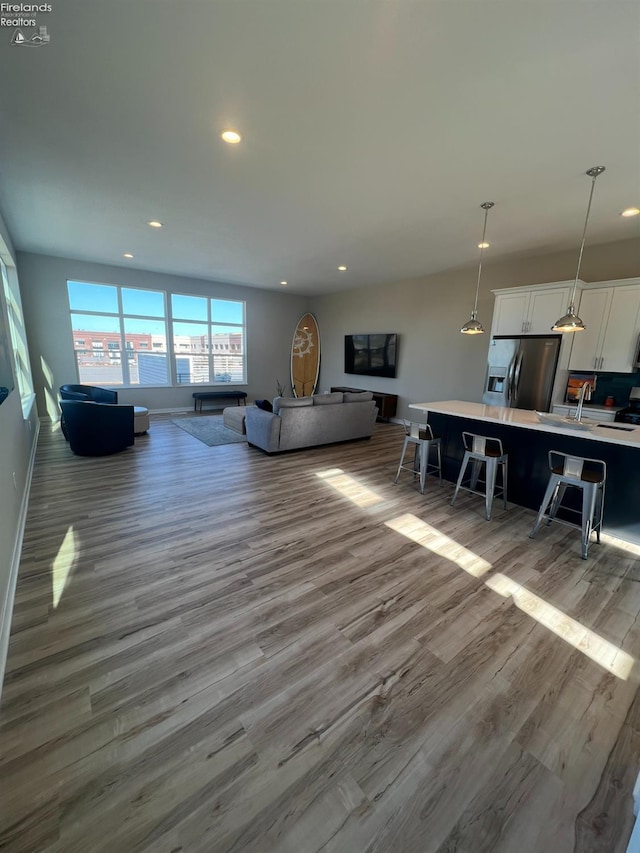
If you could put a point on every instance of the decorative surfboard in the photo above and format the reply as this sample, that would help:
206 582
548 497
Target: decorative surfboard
305 356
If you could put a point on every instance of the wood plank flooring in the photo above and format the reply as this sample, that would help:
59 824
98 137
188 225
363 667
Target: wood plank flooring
216 650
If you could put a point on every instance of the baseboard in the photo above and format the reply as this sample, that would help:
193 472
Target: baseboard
6 606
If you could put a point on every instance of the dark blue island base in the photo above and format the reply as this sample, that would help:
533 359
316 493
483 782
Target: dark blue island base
529 469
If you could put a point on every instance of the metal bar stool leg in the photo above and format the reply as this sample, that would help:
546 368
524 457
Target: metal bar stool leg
476 468
556 501
548 497
599 510
588 512
402 455
492 468
465 461
423 457
416 458
504 482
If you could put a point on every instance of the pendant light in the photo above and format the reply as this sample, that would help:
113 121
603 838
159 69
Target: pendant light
473 326
570 322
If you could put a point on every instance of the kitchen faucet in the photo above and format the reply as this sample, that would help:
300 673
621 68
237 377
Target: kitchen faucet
585 394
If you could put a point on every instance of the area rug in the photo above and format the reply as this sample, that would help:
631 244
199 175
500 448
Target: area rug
210 430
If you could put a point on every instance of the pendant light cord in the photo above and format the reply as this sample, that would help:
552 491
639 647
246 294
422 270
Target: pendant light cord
487 207
594 172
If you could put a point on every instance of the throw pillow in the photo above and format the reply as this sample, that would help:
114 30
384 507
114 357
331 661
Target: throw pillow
327 399
291 403
265 405
357 396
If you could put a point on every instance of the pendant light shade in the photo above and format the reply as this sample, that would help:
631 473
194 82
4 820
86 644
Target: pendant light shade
473 326
570 322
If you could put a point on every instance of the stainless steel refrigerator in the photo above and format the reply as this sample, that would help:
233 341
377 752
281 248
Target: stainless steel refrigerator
521 370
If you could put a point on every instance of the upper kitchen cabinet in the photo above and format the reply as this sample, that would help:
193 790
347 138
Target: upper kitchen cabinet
530 310
611 314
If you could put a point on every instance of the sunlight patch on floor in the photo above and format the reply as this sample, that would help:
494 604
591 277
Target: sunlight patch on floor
629 548
63 564
50 395
349 487
601 651
439 543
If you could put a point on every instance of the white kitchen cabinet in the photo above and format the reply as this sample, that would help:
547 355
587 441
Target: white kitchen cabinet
612 319
530 310
601 414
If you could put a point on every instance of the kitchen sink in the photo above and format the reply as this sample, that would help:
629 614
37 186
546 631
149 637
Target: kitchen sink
617 426
565 421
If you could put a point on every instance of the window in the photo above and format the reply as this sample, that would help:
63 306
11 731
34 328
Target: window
205 333
18 335
119 319
120 336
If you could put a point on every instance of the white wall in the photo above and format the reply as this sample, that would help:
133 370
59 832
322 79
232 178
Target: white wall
17 446
436 362
271 319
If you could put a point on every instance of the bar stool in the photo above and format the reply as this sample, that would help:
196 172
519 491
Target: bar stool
480 450
423 443
578 472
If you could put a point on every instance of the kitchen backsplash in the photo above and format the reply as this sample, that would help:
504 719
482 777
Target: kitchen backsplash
616 385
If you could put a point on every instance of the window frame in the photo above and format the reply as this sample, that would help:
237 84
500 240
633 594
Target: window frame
169 321
119 317
23 375
211 351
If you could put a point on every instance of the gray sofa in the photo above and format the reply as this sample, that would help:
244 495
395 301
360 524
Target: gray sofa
309 421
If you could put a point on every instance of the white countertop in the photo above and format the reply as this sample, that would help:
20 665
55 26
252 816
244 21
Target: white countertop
527 420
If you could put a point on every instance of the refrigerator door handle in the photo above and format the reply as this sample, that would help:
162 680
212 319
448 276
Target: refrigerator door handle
510 375
516 376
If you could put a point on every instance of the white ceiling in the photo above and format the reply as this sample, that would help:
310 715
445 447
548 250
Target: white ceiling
372 132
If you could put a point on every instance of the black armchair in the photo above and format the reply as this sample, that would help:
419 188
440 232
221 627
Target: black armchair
88 392
97 429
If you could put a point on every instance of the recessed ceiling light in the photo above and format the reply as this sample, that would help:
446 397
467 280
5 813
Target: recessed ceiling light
155 224
483 245
127 255
284 283
342 269
630 211
231 137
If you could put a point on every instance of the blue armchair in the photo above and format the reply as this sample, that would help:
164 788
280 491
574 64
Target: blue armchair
97 429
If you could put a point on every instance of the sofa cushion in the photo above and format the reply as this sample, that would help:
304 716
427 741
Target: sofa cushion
265 405
291 403
327 399
357 396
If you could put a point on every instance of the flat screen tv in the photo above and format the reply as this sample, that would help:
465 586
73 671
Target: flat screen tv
371 355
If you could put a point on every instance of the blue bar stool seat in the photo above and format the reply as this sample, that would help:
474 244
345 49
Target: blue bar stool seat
480 451
574 472
423 442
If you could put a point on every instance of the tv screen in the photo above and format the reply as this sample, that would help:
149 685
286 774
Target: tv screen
371 355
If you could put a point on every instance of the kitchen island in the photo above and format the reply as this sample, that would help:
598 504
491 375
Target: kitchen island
527 441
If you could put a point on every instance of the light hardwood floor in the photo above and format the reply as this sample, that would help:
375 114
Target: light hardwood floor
216 650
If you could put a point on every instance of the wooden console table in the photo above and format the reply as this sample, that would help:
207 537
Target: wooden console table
387 403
